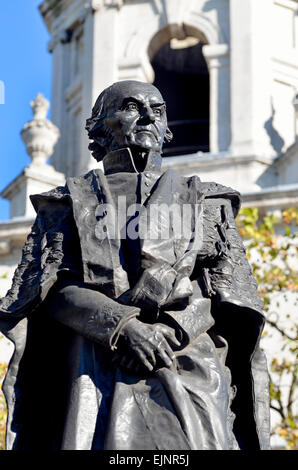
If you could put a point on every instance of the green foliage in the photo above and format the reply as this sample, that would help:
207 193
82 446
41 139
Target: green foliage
273 256
3 368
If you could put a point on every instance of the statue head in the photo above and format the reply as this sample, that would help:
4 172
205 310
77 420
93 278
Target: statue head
128 114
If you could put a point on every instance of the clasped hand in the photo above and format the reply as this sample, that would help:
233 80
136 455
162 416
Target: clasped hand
148 343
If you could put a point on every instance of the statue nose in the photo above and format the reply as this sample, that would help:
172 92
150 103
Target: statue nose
148 114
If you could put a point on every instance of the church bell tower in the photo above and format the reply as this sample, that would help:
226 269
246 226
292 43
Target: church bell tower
228 77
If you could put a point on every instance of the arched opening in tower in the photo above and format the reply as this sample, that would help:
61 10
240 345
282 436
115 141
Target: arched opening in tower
182 76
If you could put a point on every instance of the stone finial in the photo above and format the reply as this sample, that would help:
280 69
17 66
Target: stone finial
40 107
40 135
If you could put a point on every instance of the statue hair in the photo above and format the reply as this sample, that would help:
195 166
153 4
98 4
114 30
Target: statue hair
97 131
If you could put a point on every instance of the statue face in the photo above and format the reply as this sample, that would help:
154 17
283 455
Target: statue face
137 117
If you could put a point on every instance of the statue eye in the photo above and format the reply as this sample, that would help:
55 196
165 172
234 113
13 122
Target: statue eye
157 111
131 106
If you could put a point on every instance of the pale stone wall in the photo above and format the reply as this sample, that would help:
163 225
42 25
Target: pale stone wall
31 181
247 173
287 166
118 39
284 65
8 265
253 66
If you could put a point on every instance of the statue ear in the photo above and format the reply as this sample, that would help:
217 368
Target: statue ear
168 135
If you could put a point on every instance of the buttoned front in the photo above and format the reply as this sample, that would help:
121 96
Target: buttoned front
130 189
124 179
148 181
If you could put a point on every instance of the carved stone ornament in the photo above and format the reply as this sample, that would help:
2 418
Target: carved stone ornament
97 4
40 135
114 3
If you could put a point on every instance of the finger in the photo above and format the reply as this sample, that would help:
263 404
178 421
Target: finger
144 360
174 366
169 333
166 353
162 346
169 351
151 356
148 351
165 358
171 337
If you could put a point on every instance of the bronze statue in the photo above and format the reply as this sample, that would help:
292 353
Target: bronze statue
132 330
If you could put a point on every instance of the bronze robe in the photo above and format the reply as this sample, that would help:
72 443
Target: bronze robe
64 387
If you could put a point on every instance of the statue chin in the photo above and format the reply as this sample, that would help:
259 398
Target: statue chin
139 148
144 142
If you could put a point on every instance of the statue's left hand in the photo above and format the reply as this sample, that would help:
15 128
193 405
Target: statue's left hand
148 343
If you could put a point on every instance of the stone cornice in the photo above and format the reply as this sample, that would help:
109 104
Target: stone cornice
281 196
292 151
201 159
50 9
13 234
52 12
45 174
291 4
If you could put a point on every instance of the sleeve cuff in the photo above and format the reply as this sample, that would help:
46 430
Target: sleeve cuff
117 332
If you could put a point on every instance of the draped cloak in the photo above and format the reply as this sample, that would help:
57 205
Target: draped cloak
66 391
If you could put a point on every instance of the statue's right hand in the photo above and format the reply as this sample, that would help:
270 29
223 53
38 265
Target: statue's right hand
148 342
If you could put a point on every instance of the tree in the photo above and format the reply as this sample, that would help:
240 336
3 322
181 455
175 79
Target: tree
272 248
3 368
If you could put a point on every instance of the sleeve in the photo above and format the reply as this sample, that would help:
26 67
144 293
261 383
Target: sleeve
51 254
43 256
231 276
88 312
64 294
24 292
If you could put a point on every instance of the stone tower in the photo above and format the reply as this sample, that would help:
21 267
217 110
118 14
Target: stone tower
251 68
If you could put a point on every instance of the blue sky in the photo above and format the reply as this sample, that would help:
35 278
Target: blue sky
25 69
